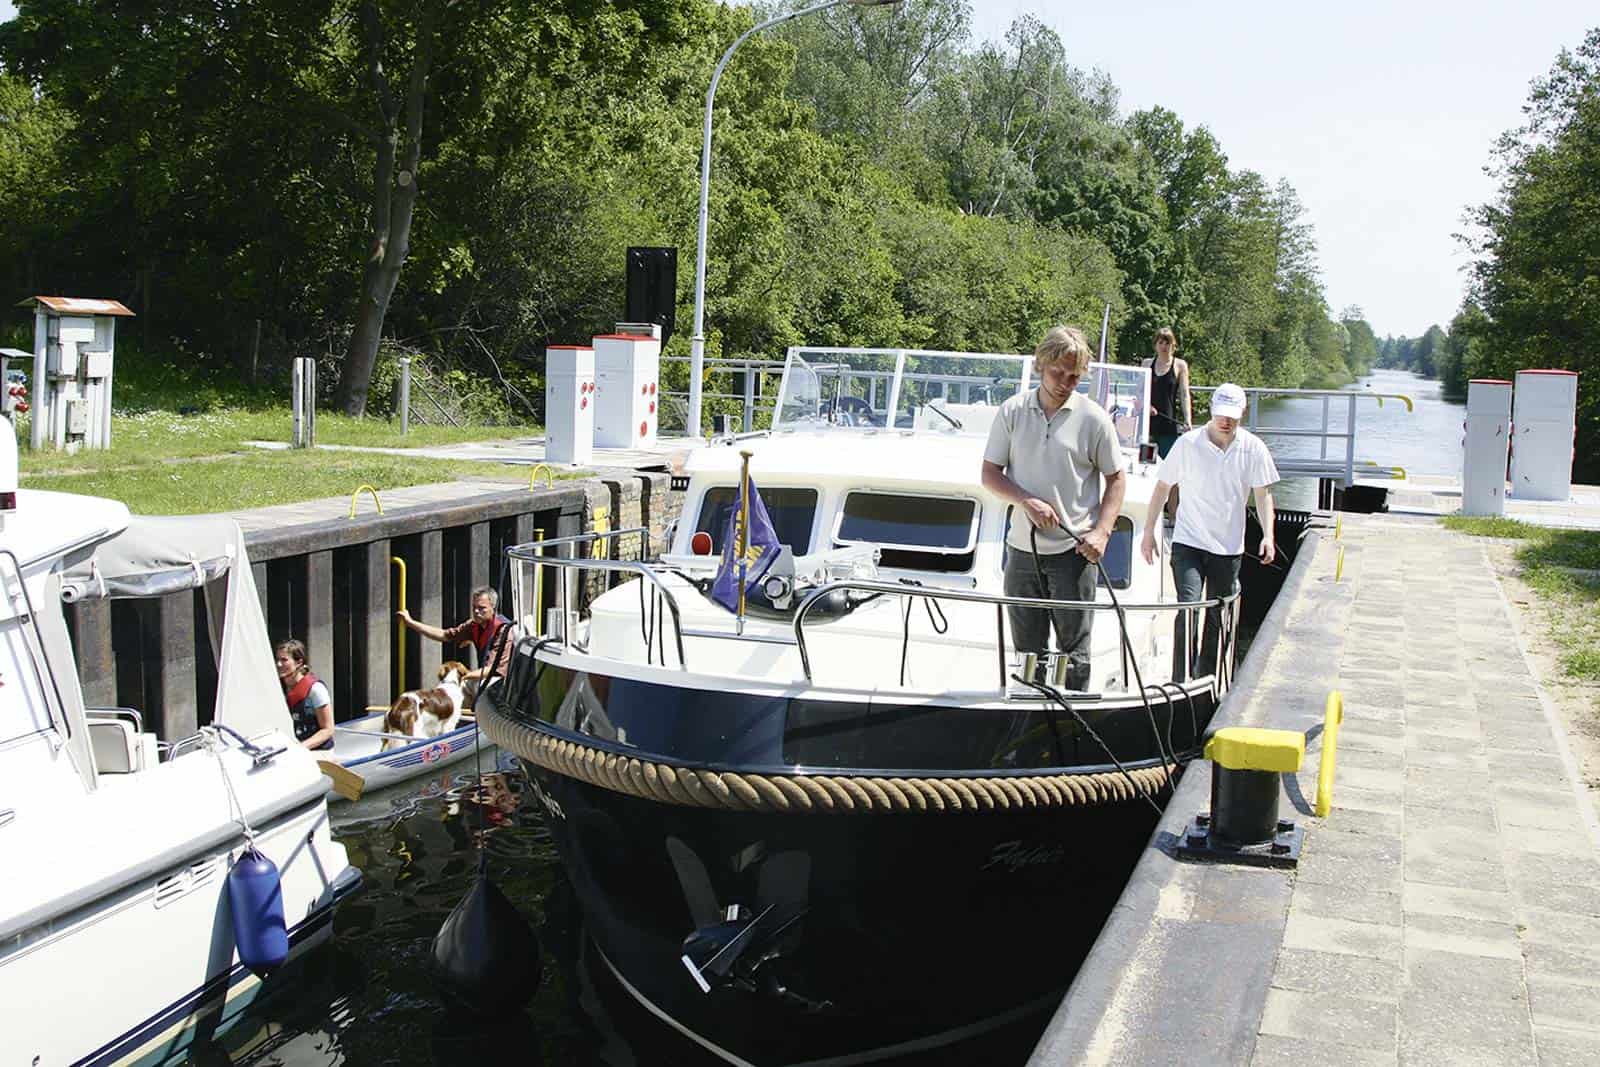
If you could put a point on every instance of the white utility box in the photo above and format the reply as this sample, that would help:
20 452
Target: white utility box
628 378
74 345
1545 418
569 404
1484 448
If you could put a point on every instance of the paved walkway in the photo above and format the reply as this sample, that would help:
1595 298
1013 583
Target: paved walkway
1448 910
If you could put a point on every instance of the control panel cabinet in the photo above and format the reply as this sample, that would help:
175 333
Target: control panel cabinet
569 404
1544 417
628 373
1484 447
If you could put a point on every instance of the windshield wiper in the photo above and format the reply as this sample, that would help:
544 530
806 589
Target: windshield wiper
945 415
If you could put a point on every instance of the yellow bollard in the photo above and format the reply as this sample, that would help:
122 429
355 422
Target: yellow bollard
1332 717
1338 569
602 526
375 501
533 476
400 629
1338 526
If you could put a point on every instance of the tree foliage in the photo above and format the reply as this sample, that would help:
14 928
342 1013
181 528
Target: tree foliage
1536 281
293 177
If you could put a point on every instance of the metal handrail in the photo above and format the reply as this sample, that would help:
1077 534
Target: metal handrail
1327 395
999 600
531 552
42 670
527 553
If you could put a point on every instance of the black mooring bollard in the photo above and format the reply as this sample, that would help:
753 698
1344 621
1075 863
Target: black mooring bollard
1243 824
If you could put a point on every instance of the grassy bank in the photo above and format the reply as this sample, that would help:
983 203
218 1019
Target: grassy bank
233 482
1563 568
180 444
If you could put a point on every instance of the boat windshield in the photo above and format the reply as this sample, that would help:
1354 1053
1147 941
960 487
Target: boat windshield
949 392
1125 393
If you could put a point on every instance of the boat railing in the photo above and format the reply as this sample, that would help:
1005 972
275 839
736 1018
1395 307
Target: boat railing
15 589
1000 601
536 555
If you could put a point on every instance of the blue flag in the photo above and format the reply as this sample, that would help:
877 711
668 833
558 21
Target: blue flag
764 548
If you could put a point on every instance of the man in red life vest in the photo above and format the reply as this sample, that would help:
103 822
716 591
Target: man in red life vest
482 631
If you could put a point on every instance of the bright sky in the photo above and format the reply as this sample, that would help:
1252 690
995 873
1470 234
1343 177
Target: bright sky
1380 114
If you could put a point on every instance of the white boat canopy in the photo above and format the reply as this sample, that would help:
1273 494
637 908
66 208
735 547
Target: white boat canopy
158 556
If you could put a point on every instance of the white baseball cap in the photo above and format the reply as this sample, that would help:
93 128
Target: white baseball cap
1228 401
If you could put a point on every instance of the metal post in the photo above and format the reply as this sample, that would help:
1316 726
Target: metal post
749 399
405 395
1325 401
1350 445
303 404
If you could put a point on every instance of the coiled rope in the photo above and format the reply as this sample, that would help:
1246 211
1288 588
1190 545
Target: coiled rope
817 794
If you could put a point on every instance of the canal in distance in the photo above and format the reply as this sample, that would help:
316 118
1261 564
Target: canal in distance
370 997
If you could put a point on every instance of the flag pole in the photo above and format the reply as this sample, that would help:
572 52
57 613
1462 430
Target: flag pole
743 546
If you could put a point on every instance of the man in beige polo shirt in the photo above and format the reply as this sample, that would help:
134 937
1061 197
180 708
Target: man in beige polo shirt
1055 448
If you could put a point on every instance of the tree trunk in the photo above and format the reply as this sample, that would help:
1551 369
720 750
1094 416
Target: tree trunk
394 199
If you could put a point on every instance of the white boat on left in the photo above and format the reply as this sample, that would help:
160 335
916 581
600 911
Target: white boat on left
116 935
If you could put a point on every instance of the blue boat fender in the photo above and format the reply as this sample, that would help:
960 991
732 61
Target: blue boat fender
255 896
487 953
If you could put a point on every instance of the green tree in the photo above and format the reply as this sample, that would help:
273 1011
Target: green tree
1537 276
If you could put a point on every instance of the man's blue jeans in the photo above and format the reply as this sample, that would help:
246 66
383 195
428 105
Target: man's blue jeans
1200 575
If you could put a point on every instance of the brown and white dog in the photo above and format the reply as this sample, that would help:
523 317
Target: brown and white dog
424 713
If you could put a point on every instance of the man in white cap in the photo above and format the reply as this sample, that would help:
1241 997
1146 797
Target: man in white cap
1216 466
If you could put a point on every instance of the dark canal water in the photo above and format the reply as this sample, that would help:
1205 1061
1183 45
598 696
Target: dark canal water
369 997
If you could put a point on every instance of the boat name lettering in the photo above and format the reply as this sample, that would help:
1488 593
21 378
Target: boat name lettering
1015 855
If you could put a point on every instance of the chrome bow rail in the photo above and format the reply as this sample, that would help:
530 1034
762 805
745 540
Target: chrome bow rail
532 555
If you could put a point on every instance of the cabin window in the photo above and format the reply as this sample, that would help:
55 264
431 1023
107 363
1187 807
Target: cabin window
934 533
792 511
1118 558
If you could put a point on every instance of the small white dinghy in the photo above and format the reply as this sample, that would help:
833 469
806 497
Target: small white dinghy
363 765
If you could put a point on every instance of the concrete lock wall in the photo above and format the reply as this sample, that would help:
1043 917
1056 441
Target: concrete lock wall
331 584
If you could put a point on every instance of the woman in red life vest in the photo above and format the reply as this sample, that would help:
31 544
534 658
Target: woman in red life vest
309 703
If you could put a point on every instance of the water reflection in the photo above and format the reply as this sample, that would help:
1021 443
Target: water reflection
371 996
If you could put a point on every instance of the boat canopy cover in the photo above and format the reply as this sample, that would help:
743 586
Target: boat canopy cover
157 556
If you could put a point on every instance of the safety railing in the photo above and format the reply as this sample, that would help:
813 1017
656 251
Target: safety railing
1001 602
754 399
535 555
46 684
1343 467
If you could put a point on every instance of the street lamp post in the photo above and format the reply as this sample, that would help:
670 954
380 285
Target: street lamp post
697 341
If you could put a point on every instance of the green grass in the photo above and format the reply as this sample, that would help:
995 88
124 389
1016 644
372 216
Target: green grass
159 435
233 483
1563 568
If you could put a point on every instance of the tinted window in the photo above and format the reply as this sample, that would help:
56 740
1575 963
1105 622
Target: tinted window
791 511
930 522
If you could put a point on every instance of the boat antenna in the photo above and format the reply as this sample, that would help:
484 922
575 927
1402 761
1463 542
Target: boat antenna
1105 328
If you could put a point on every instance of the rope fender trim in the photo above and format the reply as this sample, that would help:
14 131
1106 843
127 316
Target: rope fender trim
818 794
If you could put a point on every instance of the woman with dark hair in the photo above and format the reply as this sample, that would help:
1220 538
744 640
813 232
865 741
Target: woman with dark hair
1169 393
309 703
